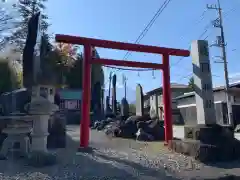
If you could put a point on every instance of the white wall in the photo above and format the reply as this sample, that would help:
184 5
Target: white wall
156 101
218 96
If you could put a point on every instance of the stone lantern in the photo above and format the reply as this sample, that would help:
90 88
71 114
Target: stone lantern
40 109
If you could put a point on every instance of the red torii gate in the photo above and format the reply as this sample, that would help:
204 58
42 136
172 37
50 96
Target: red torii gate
88 59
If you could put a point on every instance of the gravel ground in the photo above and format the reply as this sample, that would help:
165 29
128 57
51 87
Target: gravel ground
115 159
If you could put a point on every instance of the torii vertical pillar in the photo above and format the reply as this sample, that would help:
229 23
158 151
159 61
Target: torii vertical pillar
86 97
167 101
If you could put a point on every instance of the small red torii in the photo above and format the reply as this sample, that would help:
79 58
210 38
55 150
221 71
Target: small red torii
88 59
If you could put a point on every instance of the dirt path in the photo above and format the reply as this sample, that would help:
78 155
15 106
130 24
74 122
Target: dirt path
157 157
115 159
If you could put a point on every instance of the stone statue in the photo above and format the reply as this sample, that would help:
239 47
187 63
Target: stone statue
139 101
114 99
96 98
124 108
31 52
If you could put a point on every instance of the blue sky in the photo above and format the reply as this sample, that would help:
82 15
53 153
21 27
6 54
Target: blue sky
123 20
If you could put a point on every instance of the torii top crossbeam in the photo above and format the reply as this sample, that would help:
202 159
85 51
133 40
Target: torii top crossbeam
121 45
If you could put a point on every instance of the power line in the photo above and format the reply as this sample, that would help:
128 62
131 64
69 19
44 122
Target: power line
144 32
204 32
191 74
126 69
149 25
142 35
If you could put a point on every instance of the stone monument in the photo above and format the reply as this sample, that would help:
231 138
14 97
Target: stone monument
139 101
203 83
124 108
107 108
206 141
31 52
114 98
96 100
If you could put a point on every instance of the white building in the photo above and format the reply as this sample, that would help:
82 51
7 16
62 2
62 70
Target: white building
187 104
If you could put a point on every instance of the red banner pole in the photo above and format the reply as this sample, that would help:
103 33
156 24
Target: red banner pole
86 96
167 99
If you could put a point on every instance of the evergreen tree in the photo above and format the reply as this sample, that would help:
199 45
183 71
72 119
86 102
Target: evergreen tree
26 9
191 83
10 78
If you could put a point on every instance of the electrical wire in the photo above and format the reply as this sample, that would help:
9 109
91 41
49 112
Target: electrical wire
144 32
142 35
149 25
191 74
204 32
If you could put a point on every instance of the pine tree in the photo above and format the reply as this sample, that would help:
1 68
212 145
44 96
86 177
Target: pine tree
26 9
191 83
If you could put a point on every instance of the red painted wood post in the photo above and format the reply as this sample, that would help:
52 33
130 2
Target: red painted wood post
86 97
167 99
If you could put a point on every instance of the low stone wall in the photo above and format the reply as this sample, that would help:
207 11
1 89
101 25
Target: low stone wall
3 124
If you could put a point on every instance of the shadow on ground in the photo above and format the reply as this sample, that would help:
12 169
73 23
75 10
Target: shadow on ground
83 165
127 168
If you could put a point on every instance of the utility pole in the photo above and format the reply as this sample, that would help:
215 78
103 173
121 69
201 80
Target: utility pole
220 42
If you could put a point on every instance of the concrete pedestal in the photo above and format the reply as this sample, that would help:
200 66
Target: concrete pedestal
208 143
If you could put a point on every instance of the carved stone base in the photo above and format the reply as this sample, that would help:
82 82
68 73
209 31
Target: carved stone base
203 152
41 159
213 134
208 143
